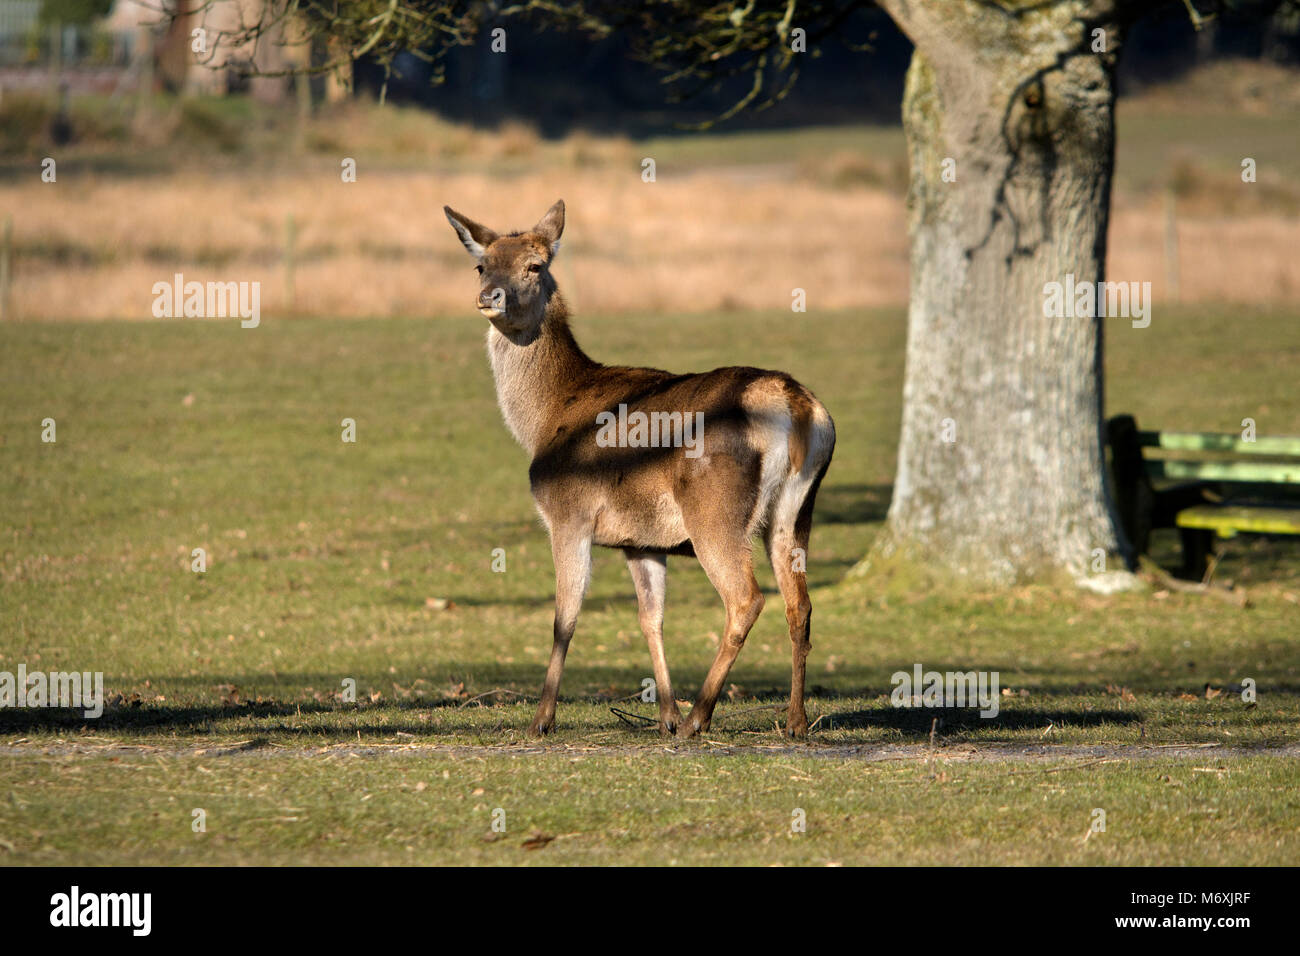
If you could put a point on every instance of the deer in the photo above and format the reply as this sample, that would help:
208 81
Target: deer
750 467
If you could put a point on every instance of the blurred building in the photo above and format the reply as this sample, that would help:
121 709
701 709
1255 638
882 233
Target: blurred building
135 44
195 52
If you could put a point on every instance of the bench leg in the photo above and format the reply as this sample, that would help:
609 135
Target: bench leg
1198 545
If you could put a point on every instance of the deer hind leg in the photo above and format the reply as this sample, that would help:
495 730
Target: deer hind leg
650 577
730 567
798 614
791 529
572 553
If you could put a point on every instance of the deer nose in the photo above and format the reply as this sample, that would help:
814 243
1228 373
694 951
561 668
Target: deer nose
494 298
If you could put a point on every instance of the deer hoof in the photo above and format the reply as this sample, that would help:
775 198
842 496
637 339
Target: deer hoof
797 728
691 726
669 720
540 728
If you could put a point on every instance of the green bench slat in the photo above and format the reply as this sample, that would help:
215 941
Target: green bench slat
1280 445
1229 519
1265 472
1208 456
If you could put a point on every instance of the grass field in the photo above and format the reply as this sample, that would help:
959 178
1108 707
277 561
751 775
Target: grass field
372 561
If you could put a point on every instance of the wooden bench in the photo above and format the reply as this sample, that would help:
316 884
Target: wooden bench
1206 485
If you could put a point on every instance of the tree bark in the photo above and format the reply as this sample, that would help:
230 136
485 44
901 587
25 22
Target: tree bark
1001 473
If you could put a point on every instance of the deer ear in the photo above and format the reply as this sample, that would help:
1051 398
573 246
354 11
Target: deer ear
551 226
475 237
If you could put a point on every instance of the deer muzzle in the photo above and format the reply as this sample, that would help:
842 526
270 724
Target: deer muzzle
492 302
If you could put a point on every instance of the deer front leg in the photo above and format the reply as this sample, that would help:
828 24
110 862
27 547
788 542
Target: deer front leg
650 577
572 554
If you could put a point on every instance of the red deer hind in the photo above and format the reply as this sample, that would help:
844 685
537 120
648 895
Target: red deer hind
651 463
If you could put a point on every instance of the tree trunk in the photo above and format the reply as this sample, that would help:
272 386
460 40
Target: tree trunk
1001 473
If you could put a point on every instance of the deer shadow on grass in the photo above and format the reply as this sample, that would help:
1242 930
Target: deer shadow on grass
425 704
196 724
916 722
421 717
334 723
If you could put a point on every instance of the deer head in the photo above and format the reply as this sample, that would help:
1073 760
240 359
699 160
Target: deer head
515 279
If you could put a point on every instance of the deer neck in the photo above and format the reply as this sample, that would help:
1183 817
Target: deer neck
533 380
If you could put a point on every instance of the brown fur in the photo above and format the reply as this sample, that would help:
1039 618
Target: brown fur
765 445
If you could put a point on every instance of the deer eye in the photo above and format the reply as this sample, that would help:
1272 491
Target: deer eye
478 269
534 267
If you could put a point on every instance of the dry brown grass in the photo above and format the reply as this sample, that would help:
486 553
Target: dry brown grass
381 246
1248 259
716 238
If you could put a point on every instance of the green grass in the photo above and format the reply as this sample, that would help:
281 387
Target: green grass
330 561
644 809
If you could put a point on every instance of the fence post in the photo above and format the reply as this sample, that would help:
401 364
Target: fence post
6 242
144 92
290 237
1171 245
56 52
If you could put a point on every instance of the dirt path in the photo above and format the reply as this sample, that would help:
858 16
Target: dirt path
957 753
